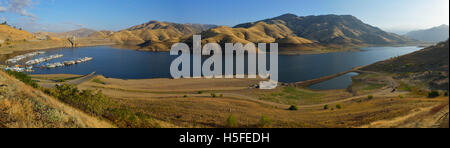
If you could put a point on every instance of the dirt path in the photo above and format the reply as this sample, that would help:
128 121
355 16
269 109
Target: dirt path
418 118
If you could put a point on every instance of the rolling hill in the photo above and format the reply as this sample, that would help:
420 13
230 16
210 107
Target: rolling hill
429 65
156 35
22 106
8 33
435 34
333 29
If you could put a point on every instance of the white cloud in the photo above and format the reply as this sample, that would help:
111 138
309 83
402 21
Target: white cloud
2 8
20 7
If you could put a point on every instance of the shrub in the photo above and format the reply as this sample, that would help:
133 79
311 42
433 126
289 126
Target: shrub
293 107
185 96
221 95
98 81
433 94
401 96
200 92
370 97
94 103
326 107
339 106
23 77
213 95
446 94
231 122
265 121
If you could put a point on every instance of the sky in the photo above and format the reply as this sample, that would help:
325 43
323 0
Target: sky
398 16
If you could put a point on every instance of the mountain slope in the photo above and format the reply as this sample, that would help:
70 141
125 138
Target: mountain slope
430 65
8 33
334 29
84 32
258 33
22 106
154 34
435 34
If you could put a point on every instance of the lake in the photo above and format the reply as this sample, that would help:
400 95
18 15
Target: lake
130 64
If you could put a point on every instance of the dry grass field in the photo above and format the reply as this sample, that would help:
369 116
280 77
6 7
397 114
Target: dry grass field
210 103
22 106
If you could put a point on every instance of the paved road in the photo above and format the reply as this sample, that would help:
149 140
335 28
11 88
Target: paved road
82 79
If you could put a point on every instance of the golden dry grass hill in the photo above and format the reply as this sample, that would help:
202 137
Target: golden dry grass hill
428 67
295 34
14 40
333 29
22 106
155 35
8 33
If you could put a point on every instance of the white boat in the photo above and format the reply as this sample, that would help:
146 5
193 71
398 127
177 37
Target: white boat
51 66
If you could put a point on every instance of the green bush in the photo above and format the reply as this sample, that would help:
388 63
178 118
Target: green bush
433 94
98 81
200 92
401 96
326 107
339 106
23 77
97 104
370 97
185 96
94 103
231 122
213 95
293 107
265 122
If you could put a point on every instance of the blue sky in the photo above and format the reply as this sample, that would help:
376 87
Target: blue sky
62 15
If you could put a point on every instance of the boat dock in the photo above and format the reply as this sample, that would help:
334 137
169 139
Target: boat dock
44 59
67 63
19 58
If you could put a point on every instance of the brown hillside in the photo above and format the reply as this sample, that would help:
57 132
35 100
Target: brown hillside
334 29
154 32
258 33
13 34
429 64
22 106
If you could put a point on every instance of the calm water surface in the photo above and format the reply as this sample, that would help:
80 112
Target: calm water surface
131 64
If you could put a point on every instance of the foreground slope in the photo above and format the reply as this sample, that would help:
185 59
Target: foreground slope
429 65
22 106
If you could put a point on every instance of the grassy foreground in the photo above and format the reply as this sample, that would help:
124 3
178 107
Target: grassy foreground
22 106
232 103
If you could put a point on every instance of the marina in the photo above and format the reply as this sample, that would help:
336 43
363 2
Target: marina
19 58
41 62
67 63
45 59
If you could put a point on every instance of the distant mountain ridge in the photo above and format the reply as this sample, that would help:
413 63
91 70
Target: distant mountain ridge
157 36
295 34
334 29
80 33
435 34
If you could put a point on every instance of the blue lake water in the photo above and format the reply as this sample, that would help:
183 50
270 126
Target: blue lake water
131 64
